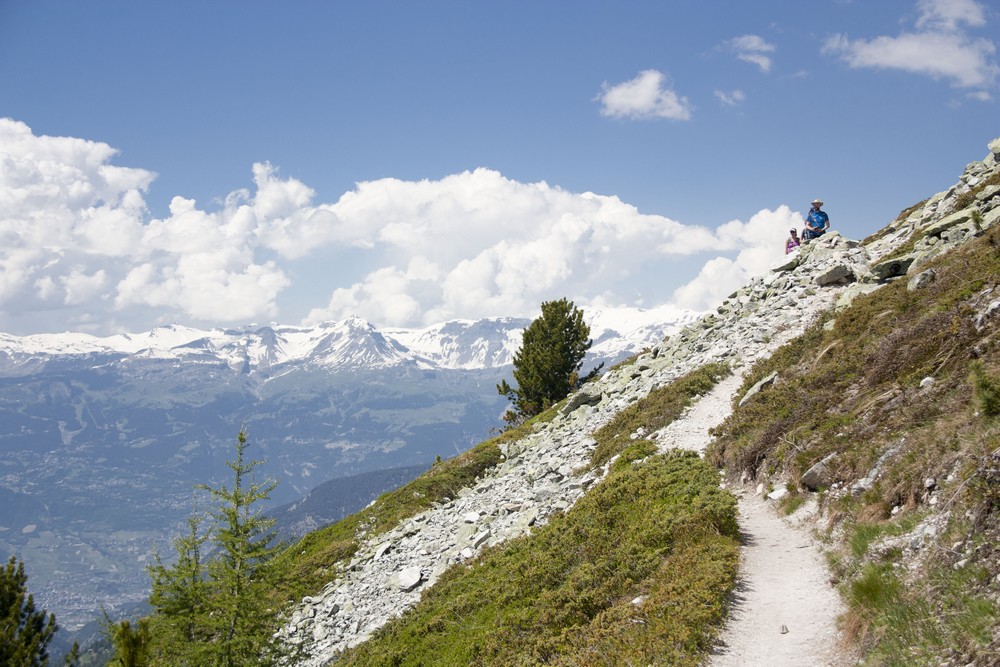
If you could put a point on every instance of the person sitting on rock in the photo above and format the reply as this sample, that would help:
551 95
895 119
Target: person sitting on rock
793 241
817 222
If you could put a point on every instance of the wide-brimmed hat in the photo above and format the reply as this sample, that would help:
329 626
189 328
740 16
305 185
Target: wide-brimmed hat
817 201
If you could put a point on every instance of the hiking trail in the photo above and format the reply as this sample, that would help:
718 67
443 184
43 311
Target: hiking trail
783 611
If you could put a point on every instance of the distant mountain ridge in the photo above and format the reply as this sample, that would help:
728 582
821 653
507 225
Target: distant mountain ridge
353 342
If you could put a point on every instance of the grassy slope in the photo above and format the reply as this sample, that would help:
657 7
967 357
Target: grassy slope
563 596
853 387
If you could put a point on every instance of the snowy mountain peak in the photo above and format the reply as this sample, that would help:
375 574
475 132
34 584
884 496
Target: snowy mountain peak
465 344
355 342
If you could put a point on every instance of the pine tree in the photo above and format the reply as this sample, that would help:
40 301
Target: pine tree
242 623
547 365
214 612
25 632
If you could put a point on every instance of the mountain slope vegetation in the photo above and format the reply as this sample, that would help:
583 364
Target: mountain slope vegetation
882 415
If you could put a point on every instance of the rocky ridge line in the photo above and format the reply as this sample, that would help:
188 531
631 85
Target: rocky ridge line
541 473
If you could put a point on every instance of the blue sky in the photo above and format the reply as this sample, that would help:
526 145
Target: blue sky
220 163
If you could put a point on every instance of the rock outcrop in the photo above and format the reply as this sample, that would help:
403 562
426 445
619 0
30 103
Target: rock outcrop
548 471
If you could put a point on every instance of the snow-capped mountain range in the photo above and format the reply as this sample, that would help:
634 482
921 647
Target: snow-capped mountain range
458 344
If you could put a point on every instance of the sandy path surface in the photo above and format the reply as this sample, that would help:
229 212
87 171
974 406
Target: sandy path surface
783 612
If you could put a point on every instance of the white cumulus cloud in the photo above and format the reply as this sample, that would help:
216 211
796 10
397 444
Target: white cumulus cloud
760 241
941 47
75 235
478 244
949 14
648 95
538 242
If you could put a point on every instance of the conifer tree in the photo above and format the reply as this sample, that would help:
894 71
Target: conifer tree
243 621
547 365
214 612
25 632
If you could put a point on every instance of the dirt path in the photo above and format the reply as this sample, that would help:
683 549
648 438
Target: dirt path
784 610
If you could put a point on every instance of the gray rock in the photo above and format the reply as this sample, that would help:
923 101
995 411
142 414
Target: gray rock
989 192
480 537
409 578
589 394
819 474
778 494
752 391
921 280
960 233
991 309
788 263
991 218
838 274
892 267
852 292
947 222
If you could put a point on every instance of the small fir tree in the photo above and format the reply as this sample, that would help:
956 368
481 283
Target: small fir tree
214 612
986 390
243 621
547 365
131 644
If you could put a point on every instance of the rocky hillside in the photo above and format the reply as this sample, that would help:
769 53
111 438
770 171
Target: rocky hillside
864 378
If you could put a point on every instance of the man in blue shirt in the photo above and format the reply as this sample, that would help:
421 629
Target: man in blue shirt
817 222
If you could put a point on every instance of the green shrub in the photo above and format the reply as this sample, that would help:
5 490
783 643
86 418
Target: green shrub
638 450
986 389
